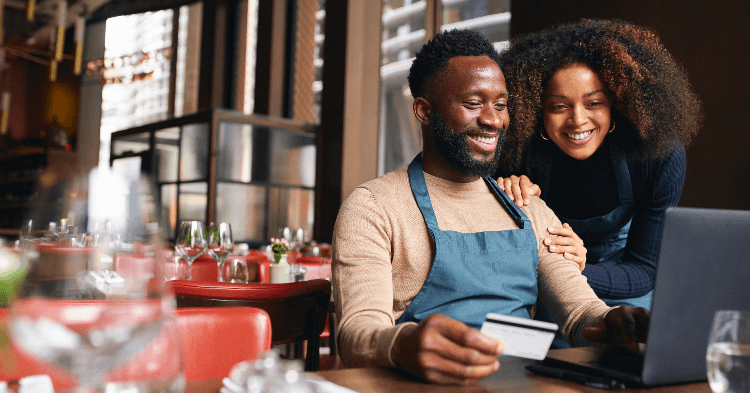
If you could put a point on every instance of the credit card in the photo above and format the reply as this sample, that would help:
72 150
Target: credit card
522 337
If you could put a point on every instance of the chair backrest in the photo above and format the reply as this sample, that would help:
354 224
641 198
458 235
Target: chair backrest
213 339
216 338
298 310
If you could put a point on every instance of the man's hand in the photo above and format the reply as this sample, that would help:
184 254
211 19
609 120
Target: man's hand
621 325
519 189
443 350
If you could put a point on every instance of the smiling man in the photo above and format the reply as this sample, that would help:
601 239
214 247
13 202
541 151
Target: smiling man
423 253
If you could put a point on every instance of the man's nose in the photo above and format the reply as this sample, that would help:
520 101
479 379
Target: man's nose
490 117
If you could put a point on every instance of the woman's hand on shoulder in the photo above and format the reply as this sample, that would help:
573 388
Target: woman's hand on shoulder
519 189
566 242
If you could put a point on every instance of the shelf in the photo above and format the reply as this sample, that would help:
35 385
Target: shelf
24 179
10 231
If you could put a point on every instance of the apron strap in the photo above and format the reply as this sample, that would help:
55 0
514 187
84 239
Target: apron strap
421 195
509 206
624 188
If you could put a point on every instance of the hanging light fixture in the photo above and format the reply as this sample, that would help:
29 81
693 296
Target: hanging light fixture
80 28
62 10
30 8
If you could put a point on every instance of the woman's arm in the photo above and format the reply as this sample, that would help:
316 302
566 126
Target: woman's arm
657 185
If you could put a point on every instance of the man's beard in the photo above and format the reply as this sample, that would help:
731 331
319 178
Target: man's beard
455 150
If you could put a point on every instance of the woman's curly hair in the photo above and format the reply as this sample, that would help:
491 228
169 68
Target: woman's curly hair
437 52
653 105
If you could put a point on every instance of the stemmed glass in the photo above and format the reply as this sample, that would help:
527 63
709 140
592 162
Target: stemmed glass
98 328
191 243
220 244
59 230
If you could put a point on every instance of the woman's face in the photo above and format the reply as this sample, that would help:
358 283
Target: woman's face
577 111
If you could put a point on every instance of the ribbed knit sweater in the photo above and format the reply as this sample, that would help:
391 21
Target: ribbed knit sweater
383 252
588 188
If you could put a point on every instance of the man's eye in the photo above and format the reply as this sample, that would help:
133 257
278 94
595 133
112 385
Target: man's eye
472 104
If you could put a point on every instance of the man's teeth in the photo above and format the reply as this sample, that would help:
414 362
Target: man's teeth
484 139
580 136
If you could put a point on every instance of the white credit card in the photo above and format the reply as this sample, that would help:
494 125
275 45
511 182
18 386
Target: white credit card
522 337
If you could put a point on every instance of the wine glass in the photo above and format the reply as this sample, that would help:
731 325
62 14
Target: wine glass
728 353
191 242
100 328
59 230
220 244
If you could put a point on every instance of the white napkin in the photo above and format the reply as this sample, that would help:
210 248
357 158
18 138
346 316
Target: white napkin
31 384
322 385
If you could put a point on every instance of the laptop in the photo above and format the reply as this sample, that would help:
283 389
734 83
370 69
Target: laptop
704 266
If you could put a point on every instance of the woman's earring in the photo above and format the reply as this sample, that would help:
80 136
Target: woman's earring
541 133
613 127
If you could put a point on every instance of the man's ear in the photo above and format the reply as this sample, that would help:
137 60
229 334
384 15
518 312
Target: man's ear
422 110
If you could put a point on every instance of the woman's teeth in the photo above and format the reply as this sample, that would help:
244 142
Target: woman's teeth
580 136
484 139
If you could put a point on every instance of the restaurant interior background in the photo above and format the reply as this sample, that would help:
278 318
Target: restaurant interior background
268 113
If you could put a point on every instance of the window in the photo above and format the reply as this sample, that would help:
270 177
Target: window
404 33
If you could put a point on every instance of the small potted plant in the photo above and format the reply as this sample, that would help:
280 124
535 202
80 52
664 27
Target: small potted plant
280 266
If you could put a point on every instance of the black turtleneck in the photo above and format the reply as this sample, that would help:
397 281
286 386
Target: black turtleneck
581 189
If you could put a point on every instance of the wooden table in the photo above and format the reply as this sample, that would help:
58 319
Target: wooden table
511 377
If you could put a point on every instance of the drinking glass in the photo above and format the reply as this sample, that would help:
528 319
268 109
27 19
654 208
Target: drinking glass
59 230
190 242
102 327
234 270
220 244
728 354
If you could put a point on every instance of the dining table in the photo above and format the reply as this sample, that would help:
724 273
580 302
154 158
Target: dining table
511 377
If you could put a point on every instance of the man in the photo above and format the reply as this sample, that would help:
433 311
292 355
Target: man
422 254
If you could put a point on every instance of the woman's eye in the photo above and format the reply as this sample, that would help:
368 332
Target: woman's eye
500 106
558 107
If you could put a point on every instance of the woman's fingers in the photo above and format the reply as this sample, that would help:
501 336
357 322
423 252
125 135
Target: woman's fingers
566 242
519 189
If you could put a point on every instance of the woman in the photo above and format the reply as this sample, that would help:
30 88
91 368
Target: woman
601 114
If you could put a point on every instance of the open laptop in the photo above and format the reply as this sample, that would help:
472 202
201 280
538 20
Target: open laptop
704 266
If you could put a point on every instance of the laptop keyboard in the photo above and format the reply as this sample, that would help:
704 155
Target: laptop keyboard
618 358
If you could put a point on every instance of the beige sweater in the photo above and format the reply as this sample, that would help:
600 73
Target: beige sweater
382 254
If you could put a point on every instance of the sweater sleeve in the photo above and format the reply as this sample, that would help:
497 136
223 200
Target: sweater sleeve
657 185
363 283
562 288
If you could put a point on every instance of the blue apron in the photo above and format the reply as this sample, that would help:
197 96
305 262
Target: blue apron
475 273
604 238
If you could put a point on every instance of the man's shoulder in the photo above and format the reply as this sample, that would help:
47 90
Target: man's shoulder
392 183
538 212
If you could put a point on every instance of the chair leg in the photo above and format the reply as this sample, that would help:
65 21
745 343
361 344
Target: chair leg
312 361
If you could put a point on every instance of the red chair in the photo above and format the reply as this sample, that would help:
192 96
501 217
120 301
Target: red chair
216 338
298 310
317 267
212 340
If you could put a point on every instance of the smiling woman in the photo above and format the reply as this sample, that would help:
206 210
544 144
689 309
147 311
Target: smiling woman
601 114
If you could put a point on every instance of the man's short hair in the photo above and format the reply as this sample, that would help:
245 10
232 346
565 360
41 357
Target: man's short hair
438 51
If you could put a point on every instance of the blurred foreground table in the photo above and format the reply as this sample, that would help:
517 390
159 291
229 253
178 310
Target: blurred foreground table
511 377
